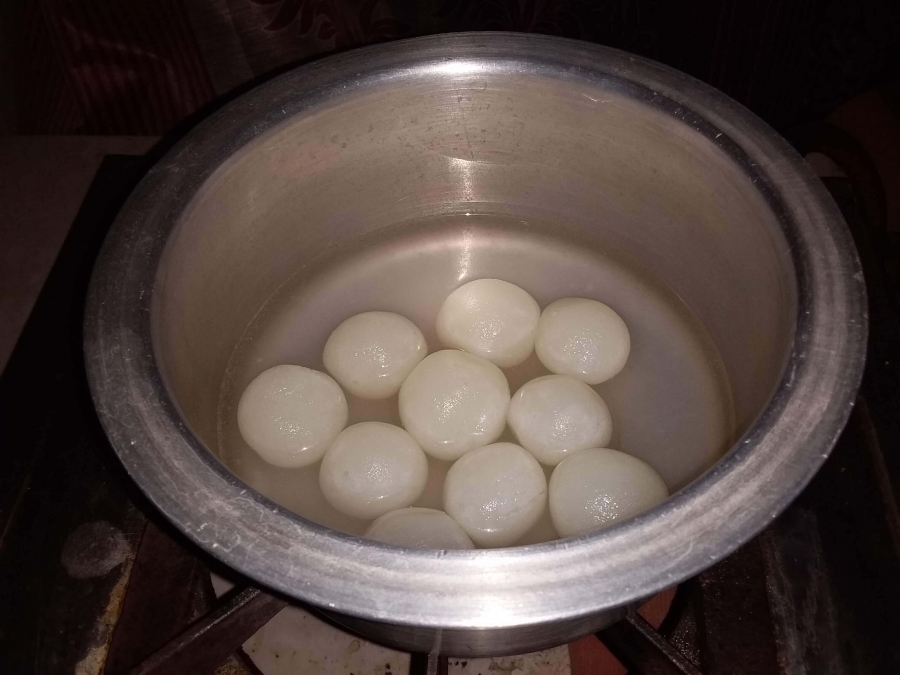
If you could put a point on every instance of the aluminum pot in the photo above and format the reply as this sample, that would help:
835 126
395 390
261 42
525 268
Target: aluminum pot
623 150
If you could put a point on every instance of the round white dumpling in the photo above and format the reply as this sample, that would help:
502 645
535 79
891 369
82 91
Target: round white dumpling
490 318
372 468
290 415
370 354
453 402
595 488
557 415
419 528
582 338
496 493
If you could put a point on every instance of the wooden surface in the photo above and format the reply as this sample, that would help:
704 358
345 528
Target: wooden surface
43 180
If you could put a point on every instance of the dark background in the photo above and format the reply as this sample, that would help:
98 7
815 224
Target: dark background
824 73
140 66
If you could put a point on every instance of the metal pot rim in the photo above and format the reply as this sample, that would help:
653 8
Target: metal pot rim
502 588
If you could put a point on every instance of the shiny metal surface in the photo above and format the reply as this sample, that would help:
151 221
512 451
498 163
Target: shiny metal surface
620 152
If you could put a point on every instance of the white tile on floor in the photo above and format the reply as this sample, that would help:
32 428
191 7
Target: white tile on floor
547 662
296 642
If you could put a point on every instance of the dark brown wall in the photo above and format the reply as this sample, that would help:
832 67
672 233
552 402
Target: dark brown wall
138 67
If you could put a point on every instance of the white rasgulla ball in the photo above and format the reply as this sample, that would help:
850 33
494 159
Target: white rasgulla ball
490 318
453 402
582 338
557 415
370 354
496 493
419 528
372 468
290 415
595 488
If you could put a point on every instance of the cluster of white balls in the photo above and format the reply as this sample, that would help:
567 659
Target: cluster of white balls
454 404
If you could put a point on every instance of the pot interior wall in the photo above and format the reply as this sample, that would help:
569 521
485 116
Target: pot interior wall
602 170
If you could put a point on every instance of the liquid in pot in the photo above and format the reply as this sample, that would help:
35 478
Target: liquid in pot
671 405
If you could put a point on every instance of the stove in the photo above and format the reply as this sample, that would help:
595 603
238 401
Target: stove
93 580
